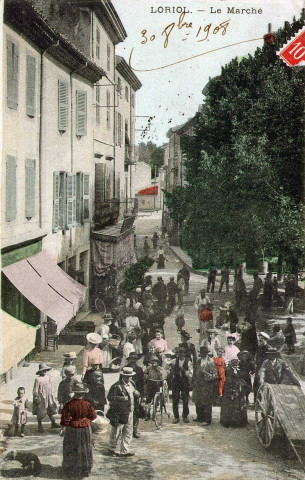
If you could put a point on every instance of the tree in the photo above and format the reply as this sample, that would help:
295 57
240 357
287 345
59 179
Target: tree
245 163
156 160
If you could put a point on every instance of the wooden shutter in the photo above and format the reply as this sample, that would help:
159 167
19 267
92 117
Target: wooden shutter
81 113
119 129
97 106
11 188
30 85
108 56
12 75
108 183
79 197
100 170
86 198
98 42
30 183
71 200
62 106
56 201
108 108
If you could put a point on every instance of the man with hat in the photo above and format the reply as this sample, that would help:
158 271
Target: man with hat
275 371
211 342
121 397
154 376
277 340
44 397
69 358
181 376
138 381
92 353
190 349
159 291
64 392
259 359
172 291
205 386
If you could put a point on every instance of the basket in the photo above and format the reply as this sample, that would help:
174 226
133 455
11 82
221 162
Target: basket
100 424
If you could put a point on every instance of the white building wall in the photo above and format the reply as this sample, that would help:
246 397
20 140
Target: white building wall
142 176
20 139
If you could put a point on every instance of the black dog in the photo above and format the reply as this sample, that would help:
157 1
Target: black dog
29 461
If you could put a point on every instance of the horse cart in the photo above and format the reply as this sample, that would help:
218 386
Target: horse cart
279 412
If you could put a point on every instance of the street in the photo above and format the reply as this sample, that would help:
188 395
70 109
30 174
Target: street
182 451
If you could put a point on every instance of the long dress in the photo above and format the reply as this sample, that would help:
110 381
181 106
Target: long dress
44 397
133 324
205 388
233 411
76 417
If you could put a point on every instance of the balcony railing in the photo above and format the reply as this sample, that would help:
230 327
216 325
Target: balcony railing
129 206
107 213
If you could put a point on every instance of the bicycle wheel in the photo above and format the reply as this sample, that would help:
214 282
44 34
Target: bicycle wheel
158 409
100 306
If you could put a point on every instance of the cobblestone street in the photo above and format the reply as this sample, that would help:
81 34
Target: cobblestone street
176 452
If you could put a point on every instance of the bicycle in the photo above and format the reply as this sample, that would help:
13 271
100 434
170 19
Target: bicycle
159 403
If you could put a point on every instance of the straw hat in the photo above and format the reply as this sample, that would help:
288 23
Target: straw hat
212 330
264 335
128 371
94 338
69 355
43 367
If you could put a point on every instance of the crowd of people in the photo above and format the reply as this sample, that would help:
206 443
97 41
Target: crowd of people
232 361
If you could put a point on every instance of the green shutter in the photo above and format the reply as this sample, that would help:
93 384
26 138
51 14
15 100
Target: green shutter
71 200
30 188
12 75
79 197
30 85
81 113
56 202
11 188
86 197
62 106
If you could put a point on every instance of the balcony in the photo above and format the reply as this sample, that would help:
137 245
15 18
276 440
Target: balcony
107 213
130 206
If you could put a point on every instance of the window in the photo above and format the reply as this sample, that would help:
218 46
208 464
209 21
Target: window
11 189
12 75
108 56
82 198
98 43
30 85
71 200
127 93
97 105
119 90
59 201
108 109
120 129
62 105
30 183
81 113
132 100
126 133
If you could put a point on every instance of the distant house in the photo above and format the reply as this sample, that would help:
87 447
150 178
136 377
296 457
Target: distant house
148 199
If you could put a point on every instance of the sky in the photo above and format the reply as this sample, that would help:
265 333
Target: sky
207 32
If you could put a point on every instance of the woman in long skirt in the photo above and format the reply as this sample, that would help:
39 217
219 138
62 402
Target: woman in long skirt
233 411
76 419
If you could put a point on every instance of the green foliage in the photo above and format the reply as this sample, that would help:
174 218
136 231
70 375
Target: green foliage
134 274
156 160
245 165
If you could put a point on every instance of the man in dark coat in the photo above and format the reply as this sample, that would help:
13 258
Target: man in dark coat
211 279
138 381
159 291
275 371
181 375
155 239
190 349
121 397
185 273
172 291
225 277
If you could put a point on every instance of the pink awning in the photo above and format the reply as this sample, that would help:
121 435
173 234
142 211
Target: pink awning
48 287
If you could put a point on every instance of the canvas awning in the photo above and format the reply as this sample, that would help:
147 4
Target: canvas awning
48 287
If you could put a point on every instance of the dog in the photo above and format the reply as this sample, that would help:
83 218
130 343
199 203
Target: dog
29 461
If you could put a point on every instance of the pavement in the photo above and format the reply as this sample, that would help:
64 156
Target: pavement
176 452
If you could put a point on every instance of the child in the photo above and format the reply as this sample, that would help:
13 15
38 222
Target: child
21 406
154 377
221 370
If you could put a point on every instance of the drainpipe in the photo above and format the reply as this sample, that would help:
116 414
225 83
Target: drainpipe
114 125
40 130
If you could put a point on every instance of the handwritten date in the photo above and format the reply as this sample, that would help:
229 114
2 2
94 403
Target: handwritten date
202 33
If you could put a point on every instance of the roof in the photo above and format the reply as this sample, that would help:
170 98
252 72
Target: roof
182 128
108 17
24 18
149 191
124 69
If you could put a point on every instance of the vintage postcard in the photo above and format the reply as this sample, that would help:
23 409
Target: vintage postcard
152 239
